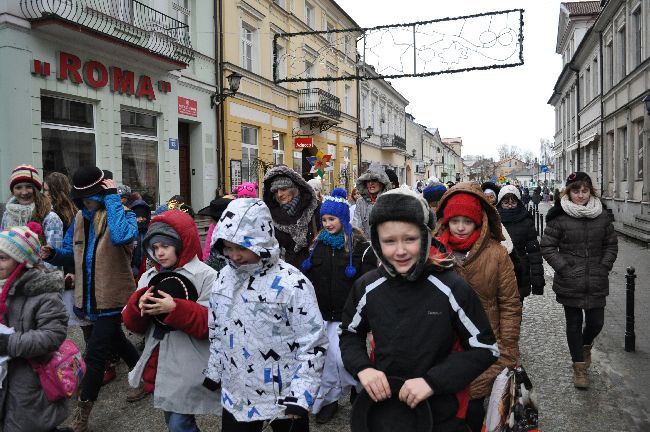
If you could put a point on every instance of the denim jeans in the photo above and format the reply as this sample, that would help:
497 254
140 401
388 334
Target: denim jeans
180 422
576 335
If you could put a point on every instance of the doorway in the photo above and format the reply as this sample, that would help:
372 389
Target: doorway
184 171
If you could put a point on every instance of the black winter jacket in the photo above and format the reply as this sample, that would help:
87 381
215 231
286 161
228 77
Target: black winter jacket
521 228
582 252
327 274
414 324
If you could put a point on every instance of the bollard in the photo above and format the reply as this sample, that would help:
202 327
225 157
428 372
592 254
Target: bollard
537 221
541 225
630 337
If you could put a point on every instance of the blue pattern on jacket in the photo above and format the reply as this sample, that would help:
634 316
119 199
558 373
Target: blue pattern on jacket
123 229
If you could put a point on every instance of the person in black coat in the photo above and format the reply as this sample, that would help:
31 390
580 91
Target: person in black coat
521 228
339 256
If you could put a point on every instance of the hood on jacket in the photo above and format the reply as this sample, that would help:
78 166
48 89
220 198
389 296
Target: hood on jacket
491 217
35 281
376 173
308 200
247 222
183 226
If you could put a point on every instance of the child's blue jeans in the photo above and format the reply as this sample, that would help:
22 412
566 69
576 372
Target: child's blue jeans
180 422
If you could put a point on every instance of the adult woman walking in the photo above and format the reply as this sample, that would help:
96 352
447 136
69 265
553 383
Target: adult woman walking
521 227
580 244
295 212
28 204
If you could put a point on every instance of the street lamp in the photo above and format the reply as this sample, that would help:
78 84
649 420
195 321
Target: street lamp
234 79
646 101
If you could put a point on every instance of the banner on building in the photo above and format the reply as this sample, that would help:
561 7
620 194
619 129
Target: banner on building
303 142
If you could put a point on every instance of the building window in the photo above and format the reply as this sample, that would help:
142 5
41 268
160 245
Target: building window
609 66
249 167
622 142
279 3
331 38
594 78
68 135
347 97
346 157
622 54
140 154
639 149
278 148
280 60
247 47
373 120
309 15
331 85
346 45
297 161
637 22
364 112
331 150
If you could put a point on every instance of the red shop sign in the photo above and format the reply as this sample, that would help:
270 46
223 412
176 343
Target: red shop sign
304 142
187 106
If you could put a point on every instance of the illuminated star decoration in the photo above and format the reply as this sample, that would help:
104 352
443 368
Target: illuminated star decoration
320 163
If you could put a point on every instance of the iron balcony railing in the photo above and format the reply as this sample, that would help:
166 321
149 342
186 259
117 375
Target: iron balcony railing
393 141
127 20
319 101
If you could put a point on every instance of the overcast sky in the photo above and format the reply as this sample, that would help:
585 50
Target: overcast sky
485 108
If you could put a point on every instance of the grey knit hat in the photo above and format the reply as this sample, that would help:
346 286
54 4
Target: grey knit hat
282 182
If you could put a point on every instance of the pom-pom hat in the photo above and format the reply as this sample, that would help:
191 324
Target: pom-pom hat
434 192
22 243
337 205
463 204
509 189
578 176
25 174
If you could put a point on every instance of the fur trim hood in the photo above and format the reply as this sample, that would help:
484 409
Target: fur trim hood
35 282
377 173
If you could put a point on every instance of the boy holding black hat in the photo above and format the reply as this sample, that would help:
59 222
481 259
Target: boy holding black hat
170 309
417 309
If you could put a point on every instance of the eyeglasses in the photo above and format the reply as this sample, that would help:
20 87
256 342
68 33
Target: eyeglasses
509 201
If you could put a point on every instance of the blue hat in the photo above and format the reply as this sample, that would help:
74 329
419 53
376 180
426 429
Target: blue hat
434 192
337 205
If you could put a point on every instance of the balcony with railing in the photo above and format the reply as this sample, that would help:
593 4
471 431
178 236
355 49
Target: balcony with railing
318 108
393 142
125 22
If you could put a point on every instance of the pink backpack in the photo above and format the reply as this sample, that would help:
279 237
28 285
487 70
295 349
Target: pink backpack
61 373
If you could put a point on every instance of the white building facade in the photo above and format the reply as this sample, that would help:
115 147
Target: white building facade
122 85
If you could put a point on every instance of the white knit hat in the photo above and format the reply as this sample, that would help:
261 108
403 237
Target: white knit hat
509 189
21 243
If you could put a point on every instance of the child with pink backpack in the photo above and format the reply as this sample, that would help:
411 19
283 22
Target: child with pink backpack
34 326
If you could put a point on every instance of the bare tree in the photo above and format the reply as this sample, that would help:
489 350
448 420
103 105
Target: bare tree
506 151
545 151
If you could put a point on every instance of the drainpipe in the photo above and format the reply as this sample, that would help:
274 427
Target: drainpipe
577 72
220 114
358 137
602 118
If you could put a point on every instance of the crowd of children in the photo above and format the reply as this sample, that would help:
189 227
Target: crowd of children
394 295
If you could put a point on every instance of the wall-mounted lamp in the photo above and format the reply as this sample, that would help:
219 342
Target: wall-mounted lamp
646 101
234 79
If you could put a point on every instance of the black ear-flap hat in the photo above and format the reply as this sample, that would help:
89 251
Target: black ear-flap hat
402 205
390 415
174 284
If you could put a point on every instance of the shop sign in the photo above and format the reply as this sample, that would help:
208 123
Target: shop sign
303 142
187 106
97 75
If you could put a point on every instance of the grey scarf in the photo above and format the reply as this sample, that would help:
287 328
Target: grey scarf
18 214
292 206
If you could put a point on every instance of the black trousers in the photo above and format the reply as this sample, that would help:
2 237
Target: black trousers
576 335
106 337
230 424
475 414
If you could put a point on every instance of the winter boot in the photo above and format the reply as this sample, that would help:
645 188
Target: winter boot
327 412
580 378
80 416
586 353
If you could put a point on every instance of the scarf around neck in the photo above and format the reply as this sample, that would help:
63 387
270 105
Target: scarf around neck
18 214
458 244
292 206
591 210
336 241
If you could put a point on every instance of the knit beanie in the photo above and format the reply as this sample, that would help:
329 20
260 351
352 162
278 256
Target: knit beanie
123 191
247 190
316 185
282 182
22 244
336 205
160 232
434 192
402 205
578 176
509 189
25 174
463 204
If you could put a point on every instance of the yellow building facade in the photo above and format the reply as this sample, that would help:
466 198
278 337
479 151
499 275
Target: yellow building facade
266 124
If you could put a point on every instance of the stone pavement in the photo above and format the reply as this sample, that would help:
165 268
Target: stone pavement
617 401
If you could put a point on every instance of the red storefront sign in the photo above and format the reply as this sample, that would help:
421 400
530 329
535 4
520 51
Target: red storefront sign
97 75
187 106
303 142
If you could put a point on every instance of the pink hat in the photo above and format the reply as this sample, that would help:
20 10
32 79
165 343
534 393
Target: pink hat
247 190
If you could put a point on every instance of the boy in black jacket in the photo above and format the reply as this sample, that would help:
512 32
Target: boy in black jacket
416 308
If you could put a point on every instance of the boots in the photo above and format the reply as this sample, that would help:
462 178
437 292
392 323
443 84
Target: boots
580 378
327 412
80 416
586 353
